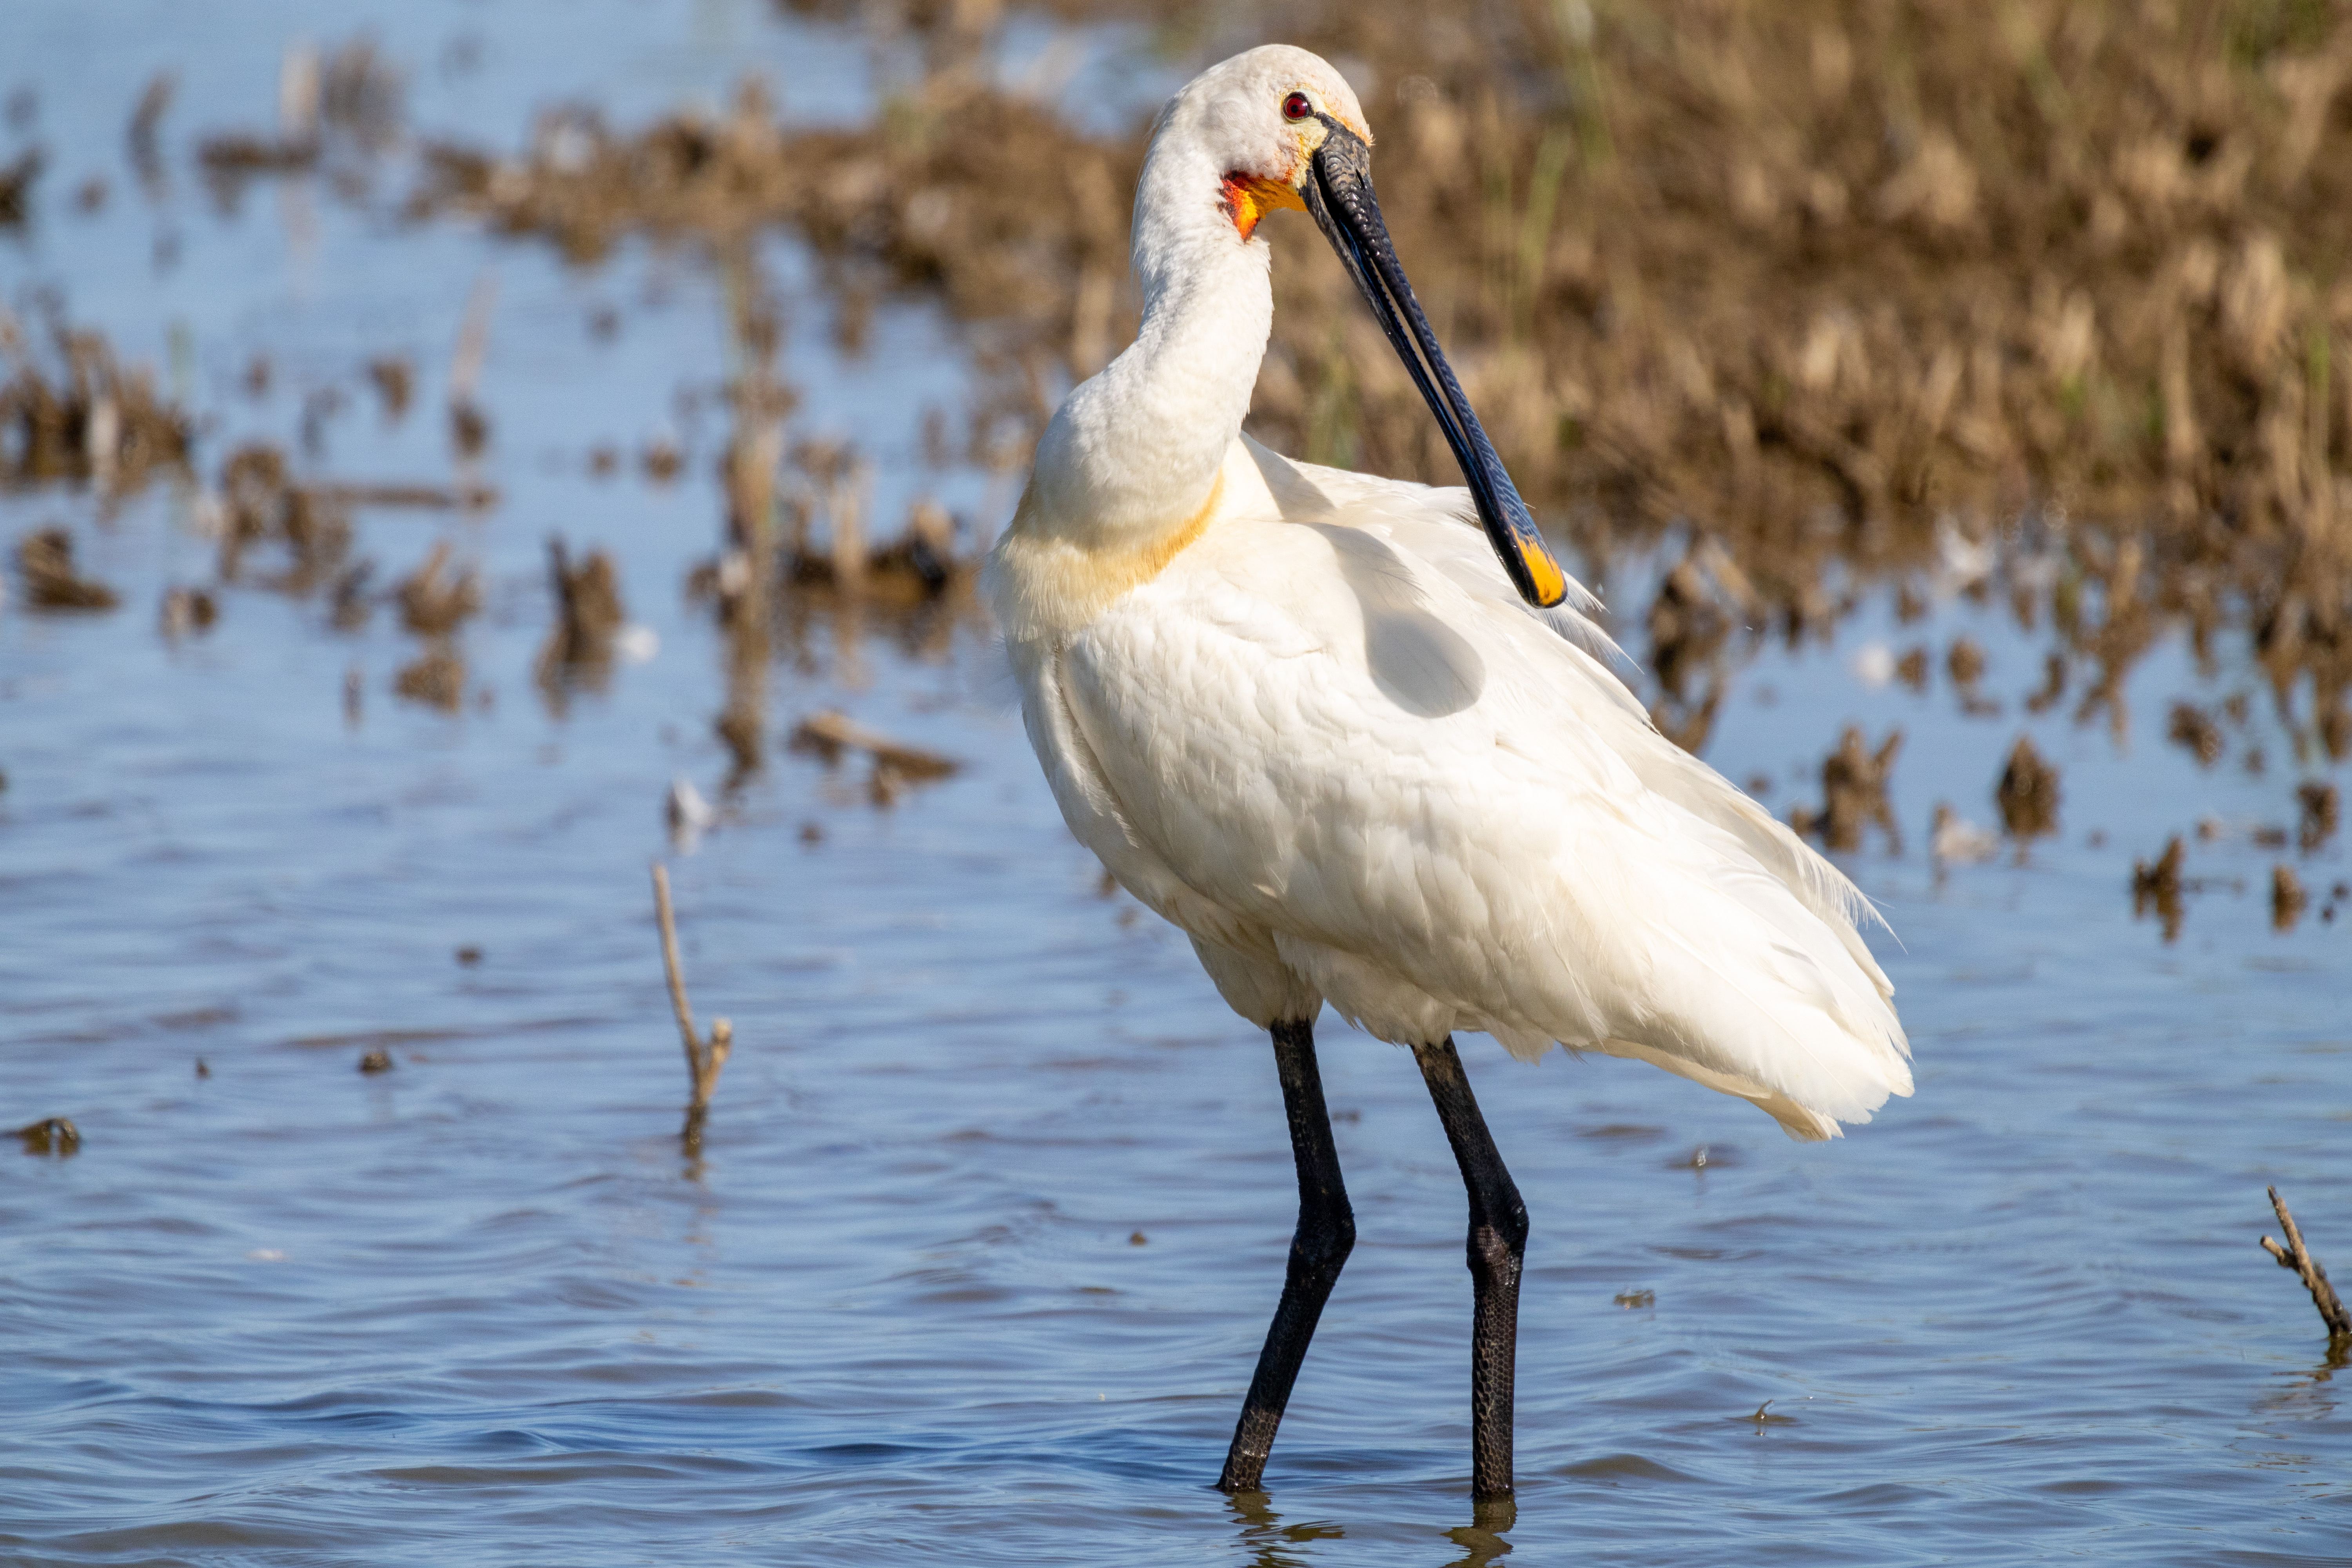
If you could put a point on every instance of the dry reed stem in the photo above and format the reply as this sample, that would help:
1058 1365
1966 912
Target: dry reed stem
829 734
2297 1256
403 493
703 1058
473 339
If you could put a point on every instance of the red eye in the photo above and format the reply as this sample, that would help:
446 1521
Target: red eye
1296 107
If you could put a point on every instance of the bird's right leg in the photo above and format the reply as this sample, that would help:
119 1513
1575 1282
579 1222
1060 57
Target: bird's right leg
1497 1247
1318 1247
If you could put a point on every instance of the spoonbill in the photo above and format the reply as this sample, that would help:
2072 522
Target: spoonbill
1363 758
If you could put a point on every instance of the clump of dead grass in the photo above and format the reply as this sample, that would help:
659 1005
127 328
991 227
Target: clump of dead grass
338 110
259 504
45 561
579 650
2027 793
1853 793
76 414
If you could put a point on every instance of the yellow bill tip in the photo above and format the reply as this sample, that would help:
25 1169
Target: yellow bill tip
1544 571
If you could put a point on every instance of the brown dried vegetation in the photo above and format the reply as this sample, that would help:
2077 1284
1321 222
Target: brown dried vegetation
2027 793
17 179
338 110
2295 1257
589 616
1853 793
83 417
50 1135
828 736
2192 729
45 561
392 380
2286 897
260 504
1965 663
435 677
2320 814
588 602
2158 887
435 601
1842 279
186 611
1688 625
2061 291
2048 308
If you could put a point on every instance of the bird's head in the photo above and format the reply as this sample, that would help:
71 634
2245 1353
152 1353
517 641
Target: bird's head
1262 117
1280 128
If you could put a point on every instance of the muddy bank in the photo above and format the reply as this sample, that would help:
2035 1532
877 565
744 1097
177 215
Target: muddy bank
2053 311
1830 309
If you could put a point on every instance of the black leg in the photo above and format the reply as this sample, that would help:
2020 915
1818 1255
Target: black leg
1325 1235
1498 1240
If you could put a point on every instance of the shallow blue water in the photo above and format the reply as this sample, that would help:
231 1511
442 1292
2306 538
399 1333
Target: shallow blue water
975 1260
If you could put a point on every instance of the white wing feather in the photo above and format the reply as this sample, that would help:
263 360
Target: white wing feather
1332 743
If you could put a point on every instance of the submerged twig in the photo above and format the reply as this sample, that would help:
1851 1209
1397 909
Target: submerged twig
2157 885
704 1059
829 734
50 1135
2297 1256
896 765
405 493
469 427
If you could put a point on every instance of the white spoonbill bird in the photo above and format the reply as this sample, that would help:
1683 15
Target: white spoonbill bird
1361 758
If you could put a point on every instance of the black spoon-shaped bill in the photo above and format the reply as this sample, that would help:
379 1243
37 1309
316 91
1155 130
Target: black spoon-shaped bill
1340 194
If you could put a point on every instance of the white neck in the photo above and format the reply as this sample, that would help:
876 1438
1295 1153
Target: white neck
1133 455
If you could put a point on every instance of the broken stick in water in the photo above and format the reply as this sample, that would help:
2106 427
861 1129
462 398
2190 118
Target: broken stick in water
828 734
50 1135
2297 1256
704 1059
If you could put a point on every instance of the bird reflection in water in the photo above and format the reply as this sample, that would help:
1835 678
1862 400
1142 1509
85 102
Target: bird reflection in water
1263 1531
1268 1540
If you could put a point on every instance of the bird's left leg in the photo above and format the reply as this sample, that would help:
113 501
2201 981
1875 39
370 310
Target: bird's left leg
1325 1235
1498 1241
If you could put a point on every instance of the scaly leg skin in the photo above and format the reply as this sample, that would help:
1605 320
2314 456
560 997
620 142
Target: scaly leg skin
1498 1242
1319 1248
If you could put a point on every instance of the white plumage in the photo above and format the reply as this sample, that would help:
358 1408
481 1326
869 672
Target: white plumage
1303 714
1311 717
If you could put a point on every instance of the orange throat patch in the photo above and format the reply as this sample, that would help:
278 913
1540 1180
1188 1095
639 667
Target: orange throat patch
1246 198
